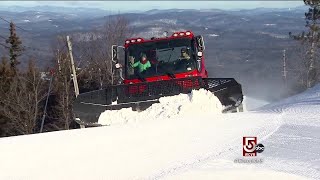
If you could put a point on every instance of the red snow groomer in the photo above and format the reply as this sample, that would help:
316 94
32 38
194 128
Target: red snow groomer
155 68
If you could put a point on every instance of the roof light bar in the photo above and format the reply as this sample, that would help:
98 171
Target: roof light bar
187 33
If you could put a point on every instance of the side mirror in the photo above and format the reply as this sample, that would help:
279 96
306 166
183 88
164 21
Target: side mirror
114 54
200 43
115 59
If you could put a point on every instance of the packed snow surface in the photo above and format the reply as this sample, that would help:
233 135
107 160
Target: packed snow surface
164 143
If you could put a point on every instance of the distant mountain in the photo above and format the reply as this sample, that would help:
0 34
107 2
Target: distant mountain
245 44
58 9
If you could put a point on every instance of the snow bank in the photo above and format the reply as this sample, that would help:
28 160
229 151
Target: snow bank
184 105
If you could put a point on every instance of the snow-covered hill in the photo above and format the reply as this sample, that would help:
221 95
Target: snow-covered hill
202 145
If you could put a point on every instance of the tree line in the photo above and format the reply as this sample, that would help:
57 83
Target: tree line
24 91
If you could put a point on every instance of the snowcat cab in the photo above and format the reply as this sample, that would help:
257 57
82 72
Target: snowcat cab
172 65
164 55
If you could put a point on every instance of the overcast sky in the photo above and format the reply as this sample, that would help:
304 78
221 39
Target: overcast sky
147 5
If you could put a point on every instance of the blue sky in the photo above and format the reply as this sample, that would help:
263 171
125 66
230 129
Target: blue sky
147 5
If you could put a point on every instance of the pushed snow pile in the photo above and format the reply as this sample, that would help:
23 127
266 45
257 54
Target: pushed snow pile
183 105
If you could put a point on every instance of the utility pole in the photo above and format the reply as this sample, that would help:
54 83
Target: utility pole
74 75
284 68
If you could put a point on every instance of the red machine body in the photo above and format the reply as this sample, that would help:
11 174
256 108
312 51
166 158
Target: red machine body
177 35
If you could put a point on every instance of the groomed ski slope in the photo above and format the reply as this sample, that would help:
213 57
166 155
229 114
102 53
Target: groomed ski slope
179 138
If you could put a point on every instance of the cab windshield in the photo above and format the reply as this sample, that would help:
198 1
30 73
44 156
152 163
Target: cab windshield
165 57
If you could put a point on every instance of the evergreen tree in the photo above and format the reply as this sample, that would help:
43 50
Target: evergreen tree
15 46
312 39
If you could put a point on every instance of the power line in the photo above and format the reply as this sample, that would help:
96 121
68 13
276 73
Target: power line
4 45
28 31
3 37
4 20
14 24
31 48
25 47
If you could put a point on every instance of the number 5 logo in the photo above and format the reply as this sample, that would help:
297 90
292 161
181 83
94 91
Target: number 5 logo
249 146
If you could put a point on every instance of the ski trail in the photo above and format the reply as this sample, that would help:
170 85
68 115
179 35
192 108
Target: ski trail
231 150
301 126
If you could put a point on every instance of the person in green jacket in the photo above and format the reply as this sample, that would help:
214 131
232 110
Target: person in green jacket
142 65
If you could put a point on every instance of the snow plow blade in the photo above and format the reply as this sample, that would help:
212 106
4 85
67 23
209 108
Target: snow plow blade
88 106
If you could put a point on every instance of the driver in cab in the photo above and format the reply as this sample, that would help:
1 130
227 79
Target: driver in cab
184 54
184 63
142 65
